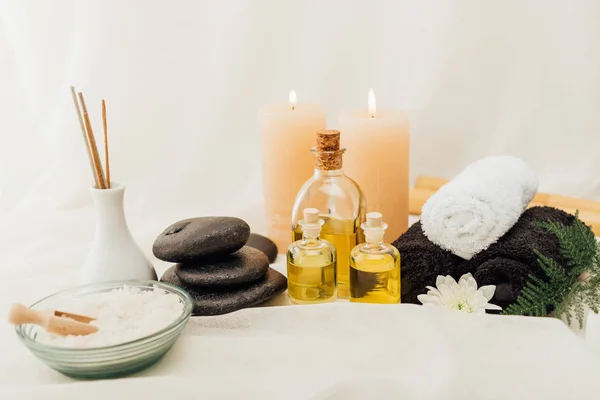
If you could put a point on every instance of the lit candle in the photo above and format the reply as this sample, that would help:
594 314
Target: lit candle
377 158
287 132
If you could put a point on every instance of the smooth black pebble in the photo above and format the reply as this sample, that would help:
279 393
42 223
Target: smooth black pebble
222 301
195 238
244 266
263 244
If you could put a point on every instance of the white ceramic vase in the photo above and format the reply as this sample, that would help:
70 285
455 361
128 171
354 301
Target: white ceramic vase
114 254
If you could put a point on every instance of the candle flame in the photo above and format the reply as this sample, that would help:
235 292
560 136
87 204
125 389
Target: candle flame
372 107
293 99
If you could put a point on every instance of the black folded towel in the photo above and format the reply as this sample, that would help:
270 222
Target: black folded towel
509 262
506 263
422 261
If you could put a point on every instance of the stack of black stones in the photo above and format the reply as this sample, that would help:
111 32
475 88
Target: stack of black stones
219 264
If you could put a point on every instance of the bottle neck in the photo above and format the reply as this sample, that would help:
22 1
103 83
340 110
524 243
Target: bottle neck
374 245
328 173
310 240
374 237
328 160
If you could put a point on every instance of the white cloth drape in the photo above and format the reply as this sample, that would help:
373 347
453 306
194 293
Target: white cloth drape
183 80
346 351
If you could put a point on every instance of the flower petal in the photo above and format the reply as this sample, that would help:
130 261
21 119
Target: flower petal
456 292
478 301
464 279
455 287
440 280
433 292
426 299
467 280
471 282
445 290
488 291
471 292
450 280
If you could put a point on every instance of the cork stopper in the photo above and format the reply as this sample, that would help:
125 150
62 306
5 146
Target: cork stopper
328 140
329 154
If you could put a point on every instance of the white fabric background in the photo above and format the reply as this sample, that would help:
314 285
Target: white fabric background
183 81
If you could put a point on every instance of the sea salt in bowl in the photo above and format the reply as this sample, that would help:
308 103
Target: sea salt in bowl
136 328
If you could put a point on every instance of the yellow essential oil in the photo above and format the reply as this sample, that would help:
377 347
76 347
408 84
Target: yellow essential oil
311 264
374 266
342 235
311 284
375 278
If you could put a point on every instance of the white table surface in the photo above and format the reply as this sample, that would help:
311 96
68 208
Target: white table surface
281 351
344 350
340 350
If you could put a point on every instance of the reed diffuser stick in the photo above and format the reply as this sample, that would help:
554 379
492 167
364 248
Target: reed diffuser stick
106 161
94 149
85 138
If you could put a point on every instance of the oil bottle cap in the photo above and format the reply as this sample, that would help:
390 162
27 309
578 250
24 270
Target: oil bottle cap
374 228
311 224
311 215
374 220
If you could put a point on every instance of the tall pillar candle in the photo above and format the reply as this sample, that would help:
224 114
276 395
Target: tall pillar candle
287 134
377 158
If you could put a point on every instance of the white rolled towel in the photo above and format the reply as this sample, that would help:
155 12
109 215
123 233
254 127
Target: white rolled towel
479 205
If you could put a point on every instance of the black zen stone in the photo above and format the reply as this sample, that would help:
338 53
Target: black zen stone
215 301
263 244
244 266
195 238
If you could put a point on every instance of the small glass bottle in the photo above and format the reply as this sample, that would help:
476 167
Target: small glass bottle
340 200
374 266
311 264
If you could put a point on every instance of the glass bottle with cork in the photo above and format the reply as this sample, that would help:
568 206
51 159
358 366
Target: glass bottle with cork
311 263
341 203
374 266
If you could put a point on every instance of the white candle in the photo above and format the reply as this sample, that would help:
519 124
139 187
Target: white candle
288 132
377 145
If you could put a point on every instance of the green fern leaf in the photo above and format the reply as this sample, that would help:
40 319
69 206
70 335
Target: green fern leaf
560 289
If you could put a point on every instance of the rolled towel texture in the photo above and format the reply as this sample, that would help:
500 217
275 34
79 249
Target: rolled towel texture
479 205
509 262
422 261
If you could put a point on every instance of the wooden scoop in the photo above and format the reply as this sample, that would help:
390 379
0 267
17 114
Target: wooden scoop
53 321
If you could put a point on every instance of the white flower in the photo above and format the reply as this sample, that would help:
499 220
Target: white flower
462 296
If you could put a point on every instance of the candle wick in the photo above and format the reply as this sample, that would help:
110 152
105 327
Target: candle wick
293 108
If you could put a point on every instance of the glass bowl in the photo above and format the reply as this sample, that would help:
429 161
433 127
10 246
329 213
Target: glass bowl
109 361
